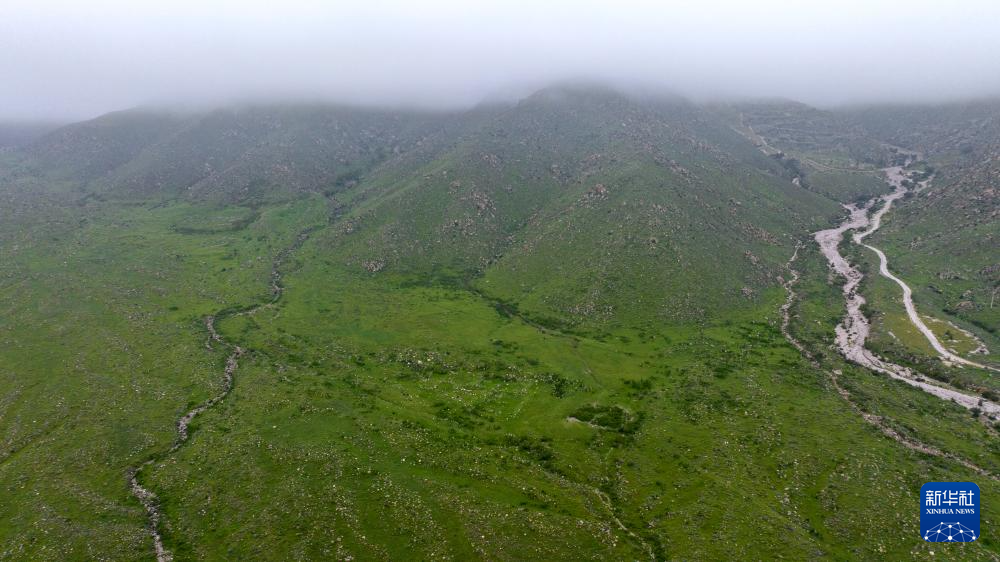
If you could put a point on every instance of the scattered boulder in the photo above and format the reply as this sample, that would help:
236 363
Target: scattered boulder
374 265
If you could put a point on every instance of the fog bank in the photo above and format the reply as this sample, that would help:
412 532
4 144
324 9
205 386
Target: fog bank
63 59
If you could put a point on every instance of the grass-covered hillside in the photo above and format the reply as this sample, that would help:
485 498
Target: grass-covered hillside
819 136
965 127
248 155
827 151
581 207
547 330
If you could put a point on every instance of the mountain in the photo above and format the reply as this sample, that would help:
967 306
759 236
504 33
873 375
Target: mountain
634 190
583 207
229 154
797 127
549 329
932 128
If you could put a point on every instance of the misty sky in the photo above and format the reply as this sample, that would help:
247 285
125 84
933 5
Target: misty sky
74 59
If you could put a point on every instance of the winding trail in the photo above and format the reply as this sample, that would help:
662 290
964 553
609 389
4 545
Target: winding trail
872 419
854 329
146 496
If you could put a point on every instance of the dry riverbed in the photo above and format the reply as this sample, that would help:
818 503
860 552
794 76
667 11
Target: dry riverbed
853 331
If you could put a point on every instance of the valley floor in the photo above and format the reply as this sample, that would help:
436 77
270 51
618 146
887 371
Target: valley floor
372 417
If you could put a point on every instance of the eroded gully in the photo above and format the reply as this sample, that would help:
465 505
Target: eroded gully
146 496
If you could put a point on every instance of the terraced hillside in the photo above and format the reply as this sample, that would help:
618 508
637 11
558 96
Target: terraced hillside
546 330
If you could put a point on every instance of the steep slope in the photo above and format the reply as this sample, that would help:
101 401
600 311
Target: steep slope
583 207
86 151
241 155
933 129
258 153
798 128
828 153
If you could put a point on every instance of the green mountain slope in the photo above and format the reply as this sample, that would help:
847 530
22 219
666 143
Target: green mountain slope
584 207
547 330
241 155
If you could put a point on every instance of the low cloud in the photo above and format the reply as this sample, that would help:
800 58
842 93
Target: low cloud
78 59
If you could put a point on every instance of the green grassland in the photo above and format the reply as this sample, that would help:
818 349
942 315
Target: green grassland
847 186
438 426
546 331
379 418
894 336
103 350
